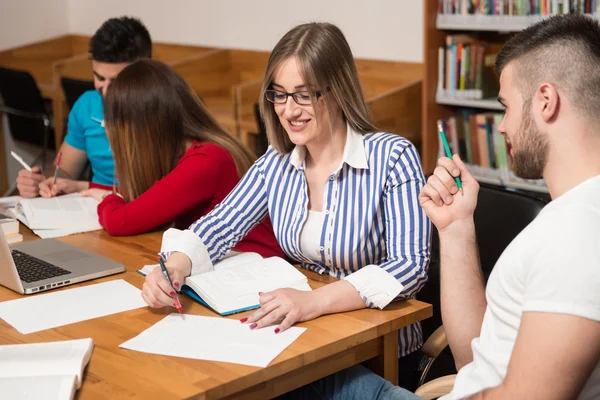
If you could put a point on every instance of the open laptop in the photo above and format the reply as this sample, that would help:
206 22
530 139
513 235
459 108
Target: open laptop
48 263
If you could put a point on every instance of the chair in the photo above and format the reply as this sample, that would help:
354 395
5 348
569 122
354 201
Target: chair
29 118
499 217
73 88
262 143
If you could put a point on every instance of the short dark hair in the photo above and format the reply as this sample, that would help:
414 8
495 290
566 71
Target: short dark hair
121 40
563 50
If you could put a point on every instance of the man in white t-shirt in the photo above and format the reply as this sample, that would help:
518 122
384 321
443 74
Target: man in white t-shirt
535 332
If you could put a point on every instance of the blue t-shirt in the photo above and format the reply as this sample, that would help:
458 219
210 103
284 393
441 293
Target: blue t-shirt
86 132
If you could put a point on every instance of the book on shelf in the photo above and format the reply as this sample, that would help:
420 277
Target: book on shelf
466 68
235 282
517 7
43 370
476 138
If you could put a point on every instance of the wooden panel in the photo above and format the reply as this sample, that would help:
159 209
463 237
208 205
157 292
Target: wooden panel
37 58
248 65
209 74
377 76
330 342
399 111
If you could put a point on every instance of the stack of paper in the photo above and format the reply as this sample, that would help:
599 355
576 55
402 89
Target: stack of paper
59 216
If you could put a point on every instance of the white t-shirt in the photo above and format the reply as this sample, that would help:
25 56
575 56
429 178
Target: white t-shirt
553 265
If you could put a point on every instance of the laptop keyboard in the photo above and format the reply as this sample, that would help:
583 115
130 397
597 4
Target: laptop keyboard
33 269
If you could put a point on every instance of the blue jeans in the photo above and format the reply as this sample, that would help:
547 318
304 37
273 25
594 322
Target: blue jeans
356 382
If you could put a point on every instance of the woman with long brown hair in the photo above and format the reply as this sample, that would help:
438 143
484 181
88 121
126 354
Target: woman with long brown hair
174 162
342 196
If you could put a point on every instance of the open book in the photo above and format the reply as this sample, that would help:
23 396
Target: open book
59 216
234 284
52 370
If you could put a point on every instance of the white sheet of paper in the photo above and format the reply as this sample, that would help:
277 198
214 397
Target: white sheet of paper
45 311
38 387
215 339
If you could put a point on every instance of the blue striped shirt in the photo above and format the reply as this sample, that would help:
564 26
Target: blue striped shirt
372 217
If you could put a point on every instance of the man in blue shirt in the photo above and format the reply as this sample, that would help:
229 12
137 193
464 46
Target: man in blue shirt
116 44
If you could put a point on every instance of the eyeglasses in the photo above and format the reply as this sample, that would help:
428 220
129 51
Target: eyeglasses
303 98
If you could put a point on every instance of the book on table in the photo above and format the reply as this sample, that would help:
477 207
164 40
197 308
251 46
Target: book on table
235 282
52 370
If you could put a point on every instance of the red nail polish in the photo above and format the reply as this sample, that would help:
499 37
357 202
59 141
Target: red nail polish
172 294
243 320
277 330
253 326
176 284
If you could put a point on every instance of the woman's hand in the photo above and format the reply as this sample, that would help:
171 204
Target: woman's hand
98 194
62 186
156 291
286 305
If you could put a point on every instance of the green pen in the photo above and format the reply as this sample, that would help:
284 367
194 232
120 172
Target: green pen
448 152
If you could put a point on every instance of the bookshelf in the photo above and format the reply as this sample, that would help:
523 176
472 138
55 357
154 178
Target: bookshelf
436 106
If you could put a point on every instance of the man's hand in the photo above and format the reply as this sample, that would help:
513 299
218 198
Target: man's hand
441 199
28 182
62 186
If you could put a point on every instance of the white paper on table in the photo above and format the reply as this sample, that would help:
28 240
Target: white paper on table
214 339
54 233
10 201
45 311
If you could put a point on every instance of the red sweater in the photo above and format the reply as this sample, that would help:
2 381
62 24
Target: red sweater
204 175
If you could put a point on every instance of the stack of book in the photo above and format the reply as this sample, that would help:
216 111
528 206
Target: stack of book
475 137
10 226
466 68
518 7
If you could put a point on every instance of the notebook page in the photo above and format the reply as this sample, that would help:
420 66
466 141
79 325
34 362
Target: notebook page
45 311
61 212
39 387
262 276
232 259
67 358
215 339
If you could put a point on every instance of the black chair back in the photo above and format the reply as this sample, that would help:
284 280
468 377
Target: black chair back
19 92
262 143
73 88
499 217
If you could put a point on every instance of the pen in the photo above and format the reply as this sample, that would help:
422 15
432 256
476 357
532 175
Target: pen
57 166
448 152
20 160
166 274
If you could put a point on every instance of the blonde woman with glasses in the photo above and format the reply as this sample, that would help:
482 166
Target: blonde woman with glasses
342 197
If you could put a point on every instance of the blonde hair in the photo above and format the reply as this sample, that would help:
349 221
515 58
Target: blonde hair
150 113
326 65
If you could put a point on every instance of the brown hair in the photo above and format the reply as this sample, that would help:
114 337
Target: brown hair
326 65
562 50
150 112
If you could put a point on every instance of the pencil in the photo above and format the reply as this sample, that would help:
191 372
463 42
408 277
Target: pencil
166 274
57 166
448 152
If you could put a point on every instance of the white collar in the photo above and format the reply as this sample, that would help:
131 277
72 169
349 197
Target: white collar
355 154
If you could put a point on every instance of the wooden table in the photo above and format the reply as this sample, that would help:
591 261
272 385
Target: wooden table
331 343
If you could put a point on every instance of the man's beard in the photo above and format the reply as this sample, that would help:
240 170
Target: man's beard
531 155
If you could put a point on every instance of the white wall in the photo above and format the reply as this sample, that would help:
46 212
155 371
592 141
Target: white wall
27 21
380 29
